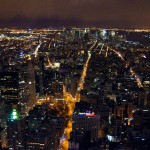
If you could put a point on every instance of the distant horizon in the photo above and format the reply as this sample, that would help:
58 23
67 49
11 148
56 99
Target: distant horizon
69 26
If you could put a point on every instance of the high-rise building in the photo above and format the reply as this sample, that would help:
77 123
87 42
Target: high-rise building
9 90
31 85
9 95
17 97
16 132
43 132
103 34
27 87
86 122
41 75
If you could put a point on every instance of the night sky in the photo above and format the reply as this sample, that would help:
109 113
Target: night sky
82 13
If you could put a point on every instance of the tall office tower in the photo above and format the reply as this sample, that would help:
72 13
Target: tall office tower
103 34
9 88
9 98
27 87
17 97
41 74
31 85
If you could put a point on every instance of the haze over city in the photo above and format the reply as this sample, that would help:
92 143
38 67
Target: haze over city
81 13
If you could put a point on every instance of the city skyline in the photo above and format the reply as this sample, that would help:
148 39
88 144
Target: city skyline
74 88
74 74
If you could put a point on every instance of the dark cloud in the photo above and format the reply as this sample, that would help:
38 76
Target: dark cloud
116 13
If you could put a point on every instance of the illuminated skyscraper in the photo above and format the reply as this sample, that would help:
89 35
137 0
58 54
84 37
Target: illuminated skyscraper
103 34
17 97
9 88
9 98
31 84
27 87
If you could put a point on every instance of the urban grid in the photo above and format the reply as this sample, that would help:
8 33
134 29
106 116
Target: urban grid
74 88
